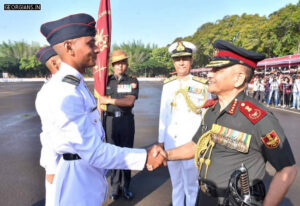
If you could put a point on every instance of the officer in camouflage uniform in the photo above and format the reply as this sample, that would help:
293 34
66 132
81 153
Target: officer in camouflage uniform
237 129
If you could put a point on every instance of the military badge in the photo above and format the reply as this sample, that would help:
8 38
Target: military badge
194 90
231 138
233 106
216 51
252 112
180 46
133 85
271 140
124 88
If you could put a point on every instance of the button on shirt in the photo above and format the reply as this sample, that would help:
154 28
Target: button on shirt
72 125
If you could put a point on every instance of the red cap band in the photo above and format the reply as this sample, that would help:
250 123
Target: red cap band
236 56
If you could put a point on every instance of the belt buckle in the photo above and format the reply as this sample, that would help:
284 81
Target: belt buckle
117 114
205 189
208 189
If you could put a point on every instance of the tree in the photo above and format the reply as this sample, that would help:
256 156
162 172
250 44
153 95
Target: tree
33 67
12 53
138 53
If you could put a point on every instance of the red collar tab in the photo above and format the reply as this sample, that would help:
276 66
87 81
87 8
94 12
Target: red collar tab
233 106
236 56
252 112
210 102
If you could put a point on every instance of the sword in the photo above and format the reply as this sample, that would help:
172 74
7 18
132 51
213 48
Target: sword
242 196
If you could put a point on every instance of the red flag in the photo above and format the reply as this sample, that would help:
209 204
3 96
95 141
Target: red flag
102 37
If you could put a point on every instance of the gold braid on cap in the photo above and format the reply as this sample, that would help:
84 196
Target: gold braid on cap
189 102
205 145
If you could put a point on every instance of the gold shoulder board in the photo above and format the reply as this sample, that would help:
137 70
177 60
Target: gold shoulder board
200 79
170 79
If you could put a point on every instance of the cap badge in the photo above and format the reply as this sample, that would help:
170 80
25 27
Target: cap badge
216 51
180 47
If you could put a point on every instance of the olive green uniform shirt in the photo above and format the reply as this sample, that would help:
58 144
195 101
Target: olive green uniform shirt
259 122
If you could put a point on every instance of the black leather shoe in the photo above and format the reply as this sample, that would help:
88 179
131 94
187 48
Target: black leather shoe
127 194
114 196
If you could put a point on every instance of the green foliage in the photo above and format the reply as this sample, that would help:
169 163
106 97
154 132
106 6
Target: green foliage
33 67
277 35
163 58
17 58
138 53
18 50
10 65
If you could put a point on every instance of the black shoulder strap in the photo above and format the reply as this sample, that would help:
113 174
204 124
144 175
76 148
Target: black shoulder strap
71 80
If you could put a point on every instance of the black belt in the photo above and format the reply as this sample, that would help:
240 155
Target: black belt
257 190
69 156
117 113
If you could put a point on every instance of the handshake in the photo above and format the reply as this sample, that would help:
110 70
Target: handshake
156 156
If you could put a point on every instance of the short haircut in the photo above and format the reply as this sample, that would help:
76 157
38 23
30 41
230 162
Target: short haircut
249 74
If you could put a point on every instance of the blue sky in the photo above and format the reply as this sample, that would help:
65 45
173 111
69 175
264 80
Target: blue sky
151 21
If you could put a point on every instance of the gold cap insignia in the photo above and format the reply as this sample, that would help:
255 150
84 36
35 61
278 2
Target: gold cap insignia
180 46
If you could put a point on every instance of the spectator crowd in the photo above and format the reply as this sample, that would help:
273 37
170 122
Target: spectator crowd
277 90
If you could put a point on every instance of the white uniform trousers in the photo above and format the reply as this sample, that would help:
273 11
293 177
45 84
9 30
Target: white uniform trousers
184 178
50 192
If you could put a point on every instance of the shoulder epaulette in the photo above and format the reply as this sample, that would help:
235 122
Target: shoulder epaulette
200 79
210 102
252 112
170 79
71 79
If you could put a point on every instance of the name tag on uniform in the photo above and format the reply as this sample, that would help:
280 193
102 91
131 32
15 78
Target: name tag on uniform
230 138
124 88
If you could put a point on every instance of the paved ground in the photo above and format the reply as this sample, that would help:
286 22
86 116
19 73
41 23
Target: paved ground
22 179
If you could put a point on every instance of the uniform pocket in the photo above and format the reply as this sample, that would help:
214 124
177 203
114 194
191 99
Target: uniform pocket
94 117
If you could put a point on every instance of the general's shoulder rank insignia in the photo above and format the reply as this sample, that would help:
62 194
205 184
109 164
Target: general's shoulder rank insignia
252 112
233 106
210 102
199 79
170 79
271 140
71 80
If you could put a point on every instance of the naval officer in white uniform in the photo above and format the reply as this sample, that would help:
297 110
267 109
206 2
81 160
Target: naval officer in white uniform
180 116
71 121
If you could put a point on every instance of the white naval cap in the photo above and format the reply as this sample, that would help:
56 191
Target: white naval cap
182 48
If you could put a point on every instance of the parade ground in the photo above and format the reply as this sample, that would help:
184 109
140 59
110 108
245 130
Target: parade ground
22 178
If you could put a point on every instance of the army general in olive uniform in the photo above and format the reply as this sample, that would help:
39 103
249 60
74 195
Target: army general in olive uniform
236 130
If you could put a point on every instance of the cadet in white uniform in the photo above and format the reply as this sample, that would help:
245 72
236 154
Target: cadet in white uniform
71 122
180 117
49 159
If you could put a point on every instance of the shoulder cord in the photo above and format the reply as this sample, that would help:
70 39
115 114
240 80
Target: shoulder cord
191 105
205 144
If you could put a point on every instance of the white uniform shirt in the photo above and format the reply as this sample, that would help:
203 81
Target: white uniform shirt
178 124
71 124
49 158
